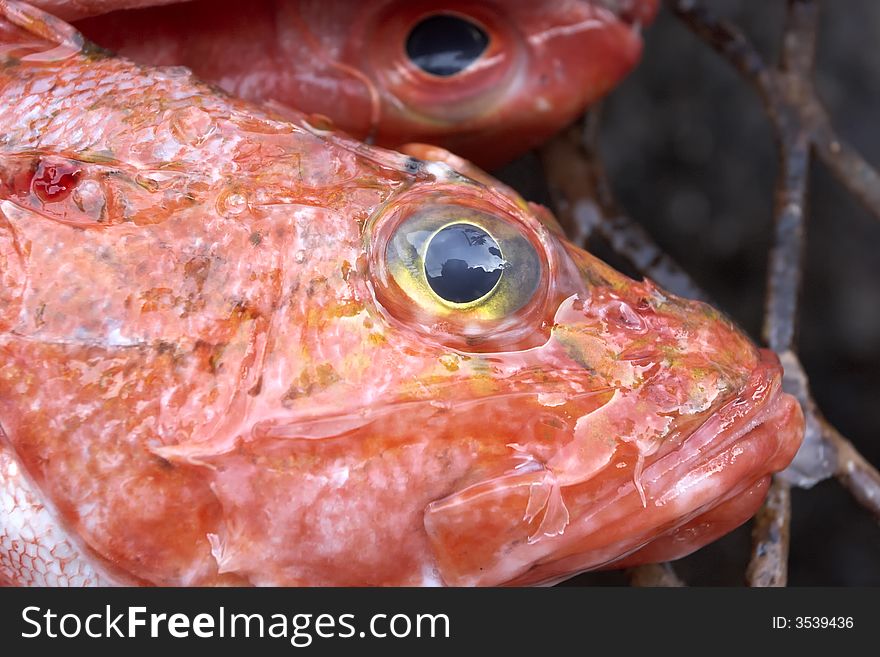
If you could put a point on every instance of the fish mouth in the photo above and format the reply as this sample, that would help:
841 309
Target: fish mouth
689 495
706 479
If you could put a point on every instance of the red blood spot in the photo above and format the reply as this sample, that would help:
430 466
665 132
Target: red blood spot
53 183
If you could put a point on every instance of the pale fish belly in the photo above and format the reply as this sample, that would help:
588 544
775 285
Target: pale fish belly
34 549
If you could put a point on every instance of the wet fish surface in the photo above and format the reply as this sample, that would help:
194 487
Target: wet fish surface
236 348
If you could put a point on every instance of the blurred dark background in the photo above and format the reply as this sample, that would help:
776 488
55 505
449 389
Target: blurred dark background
691 155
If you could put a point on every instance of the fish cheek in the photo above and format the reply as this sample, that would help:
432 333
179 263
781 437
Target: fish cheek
495 530
476 533
93 460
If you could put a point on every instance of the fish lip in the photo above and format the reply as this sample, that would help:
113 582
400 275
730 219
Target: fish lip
686 480
751 406
733 431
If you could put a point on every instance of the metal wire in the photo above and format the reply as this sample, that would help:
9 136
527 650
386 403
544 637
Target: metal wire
802 129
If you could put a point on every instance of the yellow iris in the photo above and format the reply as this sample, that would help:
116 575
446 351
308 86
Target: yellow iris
502 248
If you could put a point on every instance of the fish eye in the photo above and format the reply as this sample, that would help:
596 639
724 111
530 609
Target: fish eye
445 45
463 265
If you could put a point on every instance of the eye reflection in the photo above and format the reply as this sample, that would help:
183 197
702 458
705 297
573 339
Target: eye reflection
463 263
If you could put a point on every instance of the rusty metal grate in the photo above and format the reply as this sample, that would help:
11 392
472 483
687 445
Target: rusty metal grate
802 131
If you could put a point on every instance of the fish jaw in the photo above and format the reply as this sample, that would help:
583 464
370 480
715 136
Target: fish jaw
694 495
624 505
782 426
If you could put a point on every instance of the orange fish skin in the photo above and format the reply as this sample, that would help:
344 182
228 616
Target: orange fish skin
212 373
346 60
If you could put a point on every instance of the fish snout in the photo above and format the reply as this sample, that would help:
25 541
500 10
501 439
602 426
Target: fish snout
675 446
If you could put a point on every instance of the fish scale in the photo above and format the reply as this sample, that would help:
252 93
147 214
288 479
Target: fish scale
34 551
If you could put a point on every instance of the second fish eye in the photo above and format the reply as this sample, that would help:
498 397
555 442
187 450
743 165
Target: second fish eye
445 44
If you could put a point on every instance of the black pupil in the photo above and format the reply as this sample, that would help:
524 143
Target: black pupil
445 45
463 263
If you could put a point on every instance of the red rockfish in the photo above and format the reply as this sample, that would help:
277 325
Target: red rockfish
486 79
237 348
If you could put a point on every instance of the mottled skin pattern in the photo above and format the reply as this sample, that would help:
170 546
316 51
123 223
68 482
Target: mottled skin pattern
346 60
207 375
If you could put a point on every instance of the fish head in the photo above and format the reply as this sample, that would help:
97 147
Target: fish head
489 80
611 422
